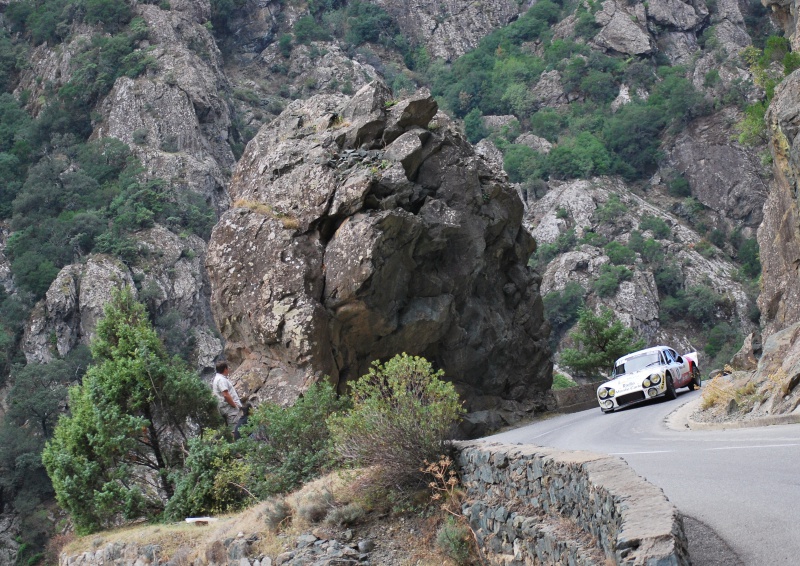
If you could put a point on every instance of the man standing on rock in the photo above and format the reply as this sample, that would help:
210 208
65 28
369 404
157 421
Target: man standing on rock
227 399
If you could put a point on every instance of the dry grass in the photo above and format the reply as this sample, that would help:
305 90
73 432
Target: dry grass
401 538
717 392
288 221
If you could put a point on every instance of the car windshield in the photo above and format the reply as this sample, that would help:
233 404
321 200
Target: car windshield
636 363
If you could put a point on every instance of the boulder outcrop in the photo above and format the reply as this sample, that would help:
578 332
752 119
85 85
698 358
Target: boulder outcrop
170 282
364 227
703 152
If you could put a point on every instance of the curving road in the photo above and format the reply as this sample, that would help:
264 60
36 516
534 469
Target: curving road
743 483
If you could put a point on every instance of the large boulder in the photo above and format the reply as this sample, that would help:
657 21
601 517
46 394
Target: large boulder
362 228
622 29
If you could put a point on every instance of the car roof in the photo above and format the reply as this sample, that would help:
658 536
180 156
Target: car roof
652 350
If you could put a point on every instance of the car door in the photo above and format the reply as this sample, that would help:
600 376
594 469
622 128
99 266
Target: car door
682 368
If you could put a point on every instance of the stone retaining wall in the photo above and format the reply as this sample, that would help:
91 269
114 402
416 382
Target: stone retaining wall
534 505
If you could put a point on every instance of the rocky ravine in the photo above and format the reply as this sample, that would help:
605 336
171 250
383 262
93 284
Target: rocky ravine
366 227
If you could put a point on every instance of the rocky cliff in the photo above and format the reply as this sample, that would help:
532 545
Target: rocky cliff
364 227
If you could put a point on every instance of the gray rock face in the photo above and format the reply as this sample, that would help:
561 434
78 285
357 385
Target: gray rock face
358 233
175 120
704 152
170 282
548 90
778 234
623 29
677 14
450 28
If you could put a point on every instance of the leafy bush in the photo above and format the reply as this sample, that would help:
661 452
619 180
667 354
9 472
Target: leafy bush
609 279
679 187
748 256
561 309
474 127
279 450
669 279
600 339
579 157
306 30
611 210
619 254
403 414
290 445
546 252
652 252
656 225
561 381
453 538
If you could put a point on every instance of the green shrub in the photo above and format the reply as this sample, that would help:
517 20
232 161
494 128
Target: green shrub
611 210
453 538
546 252
290 445
652 252
579 158
656 225
669 279
474 127
403 414
609 279
306 30
718 337
748 256
619 254
679 187
561 381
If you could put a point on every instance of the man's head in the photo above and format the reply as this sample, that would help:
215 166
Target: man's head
222 367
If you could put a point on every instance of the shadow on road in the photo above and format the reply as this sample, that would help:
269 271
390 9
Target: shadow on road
705 546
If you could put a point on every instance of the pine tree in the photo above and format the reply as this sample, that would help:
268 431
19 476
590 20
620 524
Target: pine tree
600 340
113 456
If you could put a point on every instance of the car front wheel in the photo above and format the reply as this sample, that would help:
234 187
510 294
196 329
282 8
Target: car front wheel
671 388
696 381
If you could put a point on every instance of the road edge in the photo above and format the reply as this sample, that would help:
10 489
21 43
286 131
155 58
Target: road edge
681 419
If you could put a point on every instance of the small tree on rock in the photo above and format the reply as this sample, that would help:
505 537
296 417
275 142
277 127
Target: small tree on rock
600 340
112 456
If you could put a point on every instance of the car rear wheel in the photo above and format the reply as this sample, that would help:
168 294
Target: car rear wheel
696 381
671 388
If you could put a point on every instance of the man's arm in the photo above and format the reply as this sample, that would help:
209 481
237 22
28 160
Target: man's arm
229 399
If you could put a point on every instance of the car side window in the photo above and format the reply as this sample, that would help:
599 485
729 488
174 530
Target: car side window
668 356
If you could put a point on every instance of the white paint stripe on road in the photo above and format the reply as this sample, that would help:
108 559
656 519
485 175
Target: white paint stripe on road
756 446
648 452
551 430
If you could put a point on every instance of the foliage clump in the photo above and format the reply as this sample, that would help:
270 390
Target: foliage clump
403 415
600 340
280 448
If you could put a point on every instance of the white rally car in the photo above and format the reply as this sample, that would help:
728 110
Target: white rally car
648 374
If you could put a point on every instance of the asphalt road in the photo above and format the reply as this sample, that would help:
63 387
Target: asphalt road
743 484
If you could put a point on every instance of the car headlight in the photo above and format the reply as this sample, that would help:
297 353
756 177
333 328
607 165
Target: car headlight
655 379
611 392
646 383
603 393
